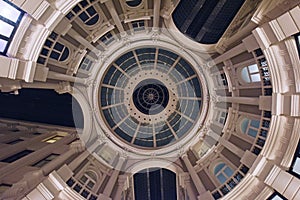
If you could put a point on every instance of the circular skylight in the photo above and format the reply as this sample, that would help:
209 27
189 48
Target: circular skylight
150 97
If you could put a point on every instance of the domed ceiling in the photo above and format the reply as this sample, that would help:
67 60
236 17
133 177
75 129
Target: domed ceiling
184 86
150 97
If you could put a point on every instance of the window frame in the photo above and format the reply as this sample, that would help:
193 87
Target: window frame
140 25
52 46
249 126
86 64
11 23
221 115
222 172
88 180
82 8
250 74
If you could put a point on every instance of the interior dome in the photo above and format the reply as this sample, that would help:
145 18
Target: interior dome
150 99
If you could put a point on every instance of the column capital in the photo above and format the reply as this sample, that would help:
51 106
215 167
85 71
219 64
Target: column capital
64 87
123 181
77 146
184 155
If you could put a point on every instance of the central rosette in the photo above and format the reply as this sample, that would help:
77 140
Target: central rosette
150 97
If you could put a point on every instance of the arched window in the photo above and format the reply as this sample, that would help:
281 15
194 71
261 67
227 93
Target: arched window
60 52
89 179
250 126
86 13
89 16
250 74
223 172
57 50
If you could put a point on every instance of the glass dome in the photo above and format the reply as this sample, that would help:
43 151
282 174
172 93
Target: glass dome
150 97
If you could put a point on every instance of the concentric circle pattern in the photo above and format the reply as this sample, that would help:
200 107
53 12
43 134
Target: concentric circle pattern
150 97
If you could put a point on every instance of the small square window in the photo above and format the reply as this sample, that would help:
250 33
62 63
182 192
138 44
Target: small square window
238 177
41 60
255 77
70 182
58 46
84 3
231 183
253 68
258 52
76 9
70 15
216 195
83 16
85 193
45 52
83 179
244 169
54 55
90 184
48 43
256 150
53 35
91 11
77 188
224 190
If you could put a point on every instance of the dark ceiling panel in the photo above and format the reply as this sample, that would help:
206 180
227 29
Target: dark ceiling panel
155 184
205 20
43 106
